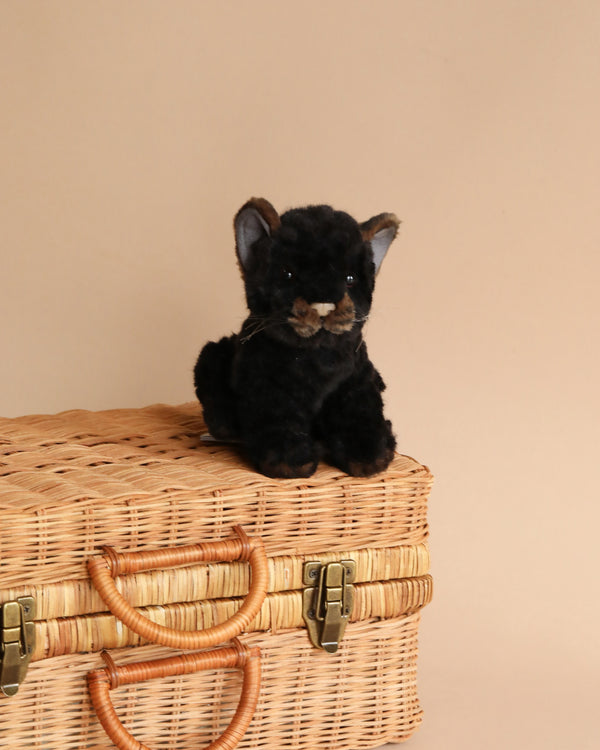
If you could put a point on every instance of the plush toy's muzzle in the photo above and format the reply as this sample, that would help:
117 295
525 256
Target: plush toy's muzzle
307 319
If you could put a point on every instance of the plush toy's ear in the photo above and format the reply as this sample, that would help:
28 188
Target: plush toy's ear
380 231
257 218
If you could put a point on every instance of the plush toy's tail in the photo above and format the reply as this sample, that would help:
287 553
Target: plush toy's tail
212 381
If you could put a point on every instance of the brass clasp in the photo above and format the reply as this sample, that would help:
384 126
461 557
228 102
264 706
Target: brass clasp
17 641
328 601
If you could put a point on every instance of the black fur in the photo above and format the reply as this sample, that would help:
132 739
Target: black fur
296 383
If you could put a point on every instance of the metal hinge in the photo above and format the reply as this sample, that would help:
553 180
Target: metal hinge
328 601
17 641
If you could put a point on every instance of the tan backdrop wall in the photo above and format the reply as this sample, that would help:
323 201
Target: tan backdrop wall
132 131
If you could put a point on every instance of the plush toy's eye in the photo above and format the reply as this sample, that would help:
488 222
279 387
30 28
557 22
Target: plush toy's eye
287 274
350 279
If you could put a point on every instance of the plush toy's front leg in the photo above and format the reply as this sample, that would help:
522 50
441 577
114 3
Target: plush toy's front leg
277 435
282 451
357 437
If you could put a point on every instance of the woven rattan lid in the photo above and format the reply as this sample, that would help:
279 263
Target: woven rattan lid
142 478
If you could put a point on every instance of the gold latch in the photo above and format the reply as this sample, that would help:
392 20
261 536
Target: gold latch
17 641
328 601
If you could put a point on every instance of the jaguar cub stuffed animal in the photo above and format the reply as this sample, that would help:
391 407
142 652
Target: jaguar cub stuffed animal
296 383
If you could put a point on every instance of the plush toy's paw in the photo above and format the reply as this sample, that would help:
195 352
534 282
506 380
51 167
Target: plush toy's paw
362 468
286 456
364 453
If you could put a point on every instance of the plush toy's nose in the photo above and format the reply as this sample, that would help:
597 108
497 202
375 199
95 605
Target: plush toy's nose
323 308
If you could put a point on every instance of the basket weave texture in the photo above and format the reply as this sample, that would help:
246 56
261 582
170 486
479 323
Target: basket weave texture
141 479
365 697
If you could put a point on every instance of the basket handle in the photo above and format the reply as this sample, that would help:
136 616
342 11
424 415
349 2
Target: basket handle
105 568
101 681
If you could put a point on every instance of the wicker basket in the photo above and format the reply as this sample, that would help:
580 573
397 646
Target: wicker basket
130 534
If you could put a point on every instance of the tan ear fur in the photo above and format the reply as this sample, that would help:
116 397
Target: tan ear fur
265 209
256 218
370 228
380 231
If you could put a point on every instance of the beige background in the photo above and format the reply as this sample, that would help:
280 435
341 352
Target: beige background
131 131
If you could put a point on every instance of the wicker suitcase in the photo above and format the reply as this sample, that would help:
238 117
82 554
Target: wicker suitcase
160 581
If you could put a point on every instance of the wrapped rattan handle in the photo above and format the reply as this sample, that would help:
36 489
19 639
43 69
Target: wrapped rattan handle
101 681
103 569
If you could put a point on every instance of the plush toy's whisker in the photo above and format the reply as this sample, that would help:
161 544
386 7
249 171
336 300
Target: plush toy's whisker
258 324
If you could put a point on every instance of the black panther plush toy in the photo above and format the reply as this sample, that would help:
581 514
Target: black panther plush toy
296 382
